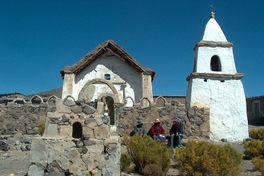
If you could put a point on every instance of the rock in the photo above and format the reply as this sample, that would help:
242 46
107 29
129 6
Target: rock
28 147
2 143
4 147
27 141
35 170
88 109
76 109
23 148
88 142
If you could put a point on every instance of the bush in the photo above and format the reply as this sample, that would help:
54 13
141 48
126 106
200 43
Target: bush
125 161
204 158
41 128
152 170
146 153
259 164
257 134
254 148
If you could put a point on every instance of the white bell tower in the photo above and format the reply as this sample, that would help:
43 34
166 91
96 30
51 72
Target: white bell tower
214 83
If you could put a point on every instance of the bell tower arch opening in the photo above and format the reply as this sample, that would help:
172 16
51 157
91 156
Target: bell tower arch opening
77 130
215 64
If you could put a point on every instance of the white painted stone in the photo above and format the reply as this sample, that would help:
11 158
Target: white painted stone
203 57
226 100
119 71
213 32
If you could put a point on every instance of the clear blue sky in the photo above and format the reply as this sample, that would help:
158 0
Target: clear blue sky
40 37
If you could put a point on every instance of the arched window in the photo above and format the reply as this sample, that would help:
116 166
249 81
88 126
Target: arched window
215 64
109 108
77 130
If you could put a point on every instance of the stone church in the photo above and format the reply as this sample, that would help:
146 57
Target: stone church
110 75
106 92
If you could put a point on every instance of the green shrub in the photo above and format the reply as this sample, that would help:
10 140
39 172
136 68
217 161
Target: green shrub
41 128
204 158
152 170
259 164
257 134
125 161
145 152
261 170
254 148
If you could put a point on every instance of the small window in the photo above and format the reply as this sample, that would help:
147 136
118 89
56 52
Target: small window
107 77
215 64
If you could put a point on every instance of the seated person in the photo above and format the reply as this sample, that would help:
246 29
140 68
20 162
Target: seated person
176 131
157 132
139 128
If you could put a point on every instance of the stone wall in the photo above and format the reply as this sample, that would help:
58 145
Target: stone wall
255 110
76 141
195 120
65 149
23 118
74 157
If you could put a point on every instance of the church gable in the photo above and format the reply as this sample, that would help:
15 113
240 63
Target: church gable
107 49
109 67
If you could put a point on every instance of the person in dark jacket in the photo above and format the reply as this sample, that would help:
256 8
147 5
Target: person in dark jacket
139 128
176 131
157 132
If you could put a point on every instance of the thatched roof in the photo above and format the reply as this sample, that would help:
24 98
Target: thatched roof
99 51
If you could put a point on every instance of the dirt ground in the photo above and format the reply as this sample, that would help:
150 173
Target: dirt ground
16 163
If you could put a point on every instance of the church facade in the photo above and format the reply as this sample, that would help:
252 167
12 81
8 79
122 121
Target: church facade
110 75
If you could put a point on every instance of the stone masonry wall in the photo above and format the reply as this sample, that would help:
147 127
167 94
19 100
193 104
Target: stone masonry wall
76 141
95 151
23 118
194 120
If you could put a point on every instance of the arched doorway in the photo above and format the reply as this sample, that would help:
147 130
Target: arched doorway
77 130
111 111
109 108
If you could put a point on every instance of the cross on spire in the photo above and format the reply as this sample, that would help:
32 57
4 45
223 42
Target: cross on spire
212 11
212 8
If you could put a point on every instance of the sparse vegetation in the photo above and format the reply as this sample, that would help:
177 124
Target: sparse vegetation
41 128
257 134
254 149
149 157
125 161
204 158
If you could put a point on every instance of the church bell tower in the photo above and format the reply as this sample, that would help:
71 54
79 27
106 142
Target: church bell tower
215 84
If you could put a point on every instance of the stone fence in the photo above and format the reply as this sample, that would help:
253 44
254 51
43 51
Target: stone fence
78 139
195 120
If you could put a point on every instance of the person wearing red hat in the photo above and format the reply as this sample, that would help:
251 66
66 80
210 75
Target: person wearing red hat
157 132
